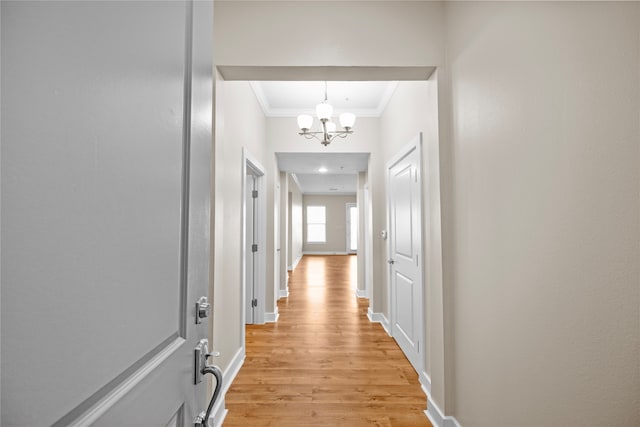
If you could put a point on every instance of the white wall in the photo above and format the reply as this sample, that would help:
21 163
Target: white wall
239 123
354 33
542 231
413 109
538 110
295 222
336 222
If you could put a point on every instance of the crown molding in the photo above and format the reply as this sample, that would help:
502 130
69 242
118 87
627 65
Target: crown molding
289 112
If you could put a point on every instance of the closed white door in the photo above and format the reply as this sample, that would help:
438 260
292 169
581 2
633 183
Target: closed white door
250 250
404 247
106 152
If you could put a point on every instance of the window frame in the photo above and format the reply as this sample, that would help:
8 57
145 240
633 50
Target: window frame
324 224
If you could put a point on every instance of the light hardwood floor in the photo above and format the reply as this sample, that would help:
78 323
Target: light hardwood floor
323 363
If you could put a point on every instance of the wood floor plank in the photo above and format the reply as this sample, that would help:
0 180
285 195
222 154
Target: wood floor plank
324 363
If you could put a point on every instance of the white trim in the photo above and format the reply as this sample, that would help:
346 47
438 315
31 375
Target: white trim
329 193
219 412
295 263
425 382
288 112
111 398
251 164
295 179
270 111
415 146
260 96
379 318
284 293
324 253
361 293
436 416
271 317
433 412
386 97
293 267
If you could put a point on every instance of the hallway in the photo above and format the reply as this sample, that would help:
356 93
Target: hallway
323 363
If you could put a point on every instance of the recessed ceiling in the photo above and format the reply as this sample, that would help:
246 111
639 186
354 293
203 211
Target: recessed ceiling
335 163
341 176
327 184
288 99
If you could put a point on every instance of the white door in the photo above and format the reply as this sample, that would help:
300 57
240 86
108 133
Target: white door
106 152
251 244
404 248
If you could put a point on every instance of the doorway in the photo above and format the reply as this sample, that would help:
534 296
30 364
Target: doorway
254 239
405 247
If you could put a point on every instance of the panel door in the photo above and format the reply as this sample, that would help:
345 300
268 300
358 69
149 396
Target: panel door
405 272
106 153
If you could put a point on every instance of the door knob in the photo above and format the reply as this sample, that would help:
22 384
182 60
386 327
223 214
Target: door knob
391 261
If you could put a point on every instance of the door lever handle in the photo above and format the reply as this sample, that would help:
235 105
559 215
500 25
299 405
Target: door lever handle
202 420
391 261
202 368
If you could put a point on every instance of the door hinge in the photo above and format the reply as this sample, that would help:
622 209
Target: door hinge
254 248
254 194
254 302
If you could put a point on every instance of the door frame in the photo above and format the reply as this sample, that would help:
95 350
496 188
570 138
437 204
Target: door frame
414 145
251 166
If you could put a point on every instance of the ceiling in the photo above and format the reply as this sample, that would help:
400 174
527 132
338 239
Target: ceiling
288 99
341 176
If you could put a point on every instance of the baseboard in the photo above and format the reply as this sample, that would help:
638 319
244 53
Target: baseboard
324 253
361 293
271 317
219 411
425 382
295 263
283 293
434 413
379 318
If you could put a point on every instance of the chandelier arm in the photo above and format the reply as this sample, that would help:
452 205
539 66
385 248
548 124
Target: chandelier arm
311 135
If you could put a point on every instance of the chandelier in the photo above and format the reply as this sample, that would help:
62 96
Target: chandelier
327 132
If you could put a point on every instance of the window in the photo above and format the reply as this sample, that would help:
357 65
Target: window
352 227
316 224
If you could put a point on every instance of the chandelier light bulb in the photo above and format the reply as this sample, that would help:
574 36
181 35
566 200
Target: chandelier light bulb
347 120
324 111
305 122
